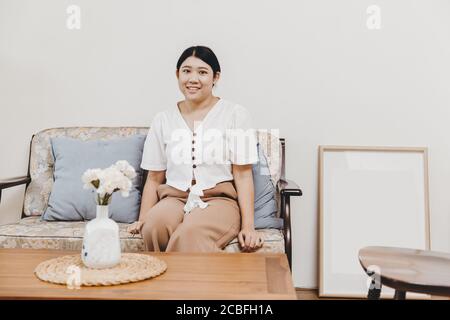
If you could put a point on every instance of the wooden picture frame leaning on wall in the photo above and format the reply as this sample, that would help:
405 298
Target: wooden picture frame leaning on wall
368 196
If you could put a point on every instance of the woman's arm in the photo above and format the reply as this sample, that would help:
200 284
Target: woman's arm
248 237
149 197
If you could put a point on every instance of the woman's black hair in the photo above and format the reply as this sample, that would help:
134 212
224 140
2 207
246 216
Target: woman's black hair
203 53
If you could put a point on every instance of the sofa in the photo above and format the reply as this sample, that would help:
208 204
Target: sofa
32 232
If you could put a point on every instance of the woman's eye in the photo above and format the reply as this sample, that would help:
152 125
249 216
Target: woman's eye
203 72
185 71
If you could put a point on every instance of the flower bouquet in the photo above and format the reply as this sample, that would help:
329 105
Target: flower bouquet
101 241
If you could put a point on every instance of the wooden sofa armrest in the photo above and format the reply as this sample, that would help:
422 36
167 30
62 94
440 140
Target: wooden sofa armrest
287 189
12 182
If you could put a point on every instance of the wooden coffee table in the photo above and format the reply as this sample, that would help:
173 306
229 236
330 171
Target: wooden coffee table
421 271
188 276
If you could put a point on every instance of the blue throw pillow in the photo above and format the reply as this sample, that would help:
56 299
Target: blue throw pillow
72 157
265 203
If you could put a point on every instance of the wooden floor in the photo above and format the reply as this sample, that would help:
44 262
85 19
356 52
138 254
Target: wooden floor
312 294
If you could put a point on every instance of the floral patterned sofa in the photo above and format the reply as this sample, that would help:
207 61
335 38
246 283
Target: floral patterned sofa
32 232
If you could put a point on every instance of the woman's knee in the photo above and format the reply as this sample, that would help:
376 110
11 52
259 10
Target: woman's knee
162 215
156 233
155 224
189 233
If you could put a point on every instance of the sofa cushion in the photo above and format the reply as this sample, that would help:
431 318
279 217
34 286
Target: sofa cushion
265 201
42 162
273 242
68 200
33 233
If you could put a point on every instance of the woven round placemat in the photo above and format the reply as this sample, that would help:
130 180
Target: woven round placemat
132 267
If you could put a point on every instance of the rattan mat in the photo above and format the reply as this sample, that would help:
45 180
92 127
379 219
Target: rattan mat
132 267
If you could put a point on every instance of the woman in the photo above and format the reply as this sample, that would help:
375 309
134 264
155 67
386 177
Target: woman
199 191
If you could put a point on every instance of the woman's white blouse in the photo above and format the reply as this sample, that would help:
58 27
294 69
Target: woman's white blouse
224 137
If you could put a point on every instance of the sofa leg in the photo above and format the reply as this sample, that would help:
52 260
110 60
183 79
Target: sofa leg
286 214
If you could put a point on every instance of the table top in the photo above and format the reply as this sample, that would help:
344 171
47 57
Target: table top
188 276
412 270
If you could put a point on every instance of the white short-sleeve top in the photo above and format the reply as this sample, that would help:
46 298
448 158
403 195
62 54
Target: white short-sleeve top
225 136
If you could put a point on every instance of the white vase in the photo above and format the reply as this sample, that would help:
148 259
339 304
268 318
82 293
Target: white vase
101 241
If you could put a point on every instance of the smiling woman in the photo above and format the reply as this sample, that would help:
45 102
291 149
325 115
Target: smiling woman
198 70
195 205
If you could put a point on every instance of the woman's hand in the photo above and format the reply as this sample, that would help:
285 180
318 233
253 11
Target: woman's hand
135 227
250 239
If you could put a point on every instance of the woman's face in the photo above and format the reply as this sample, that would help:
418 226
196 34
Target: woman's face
195 79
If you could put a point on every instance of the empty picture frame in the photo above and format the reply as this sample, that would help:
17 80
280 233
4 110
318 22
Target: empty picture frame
368 196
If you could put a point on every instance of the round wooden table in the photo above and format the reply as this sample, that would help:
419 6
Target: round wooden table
421 271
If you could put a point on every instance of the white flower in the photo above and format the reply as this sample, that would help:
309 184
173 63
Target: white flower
89 176
111 179
125 188
126 168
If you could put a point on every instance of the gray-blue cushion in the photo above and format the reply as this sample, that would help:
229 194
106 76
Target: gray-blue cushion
69 201
265 203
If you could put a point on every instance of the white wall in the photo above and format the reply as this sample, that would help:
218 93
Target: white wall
311 68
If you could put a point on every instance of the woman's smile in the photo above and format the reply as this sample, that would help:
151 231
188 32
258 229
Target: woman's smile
192 89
